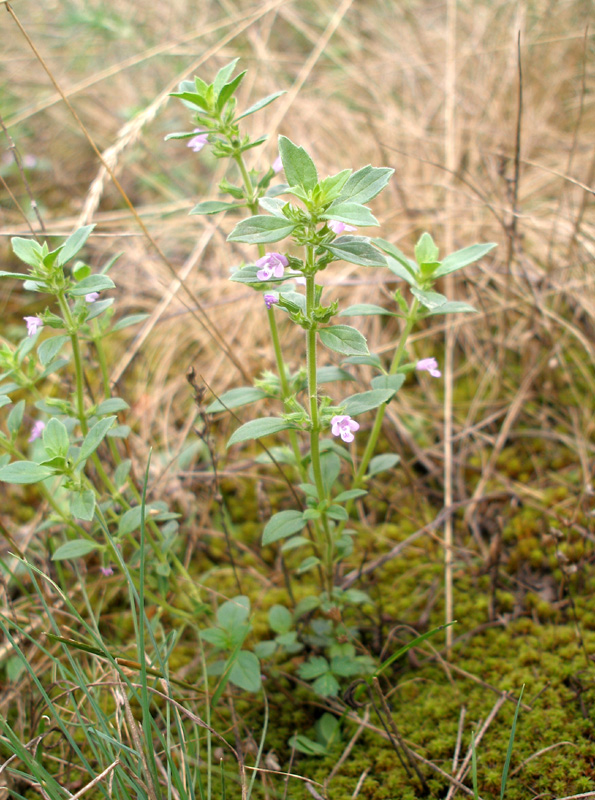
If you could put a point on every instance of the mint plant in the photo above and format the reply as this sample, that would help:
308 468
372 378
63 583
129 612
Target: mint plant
318 221
53 438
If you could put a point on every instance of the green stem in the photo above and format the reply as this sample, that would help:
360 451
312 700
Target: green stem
315 425
281 369
78 362
377 427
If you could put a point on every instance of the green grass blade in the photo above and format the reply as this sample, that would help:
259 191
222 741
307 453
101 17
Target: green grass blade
510 744
474 766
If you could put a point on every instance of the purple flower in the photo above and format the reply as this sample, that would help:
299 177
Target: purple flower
198 142
36 430
430 365
92 297
33 325
270 299
106 571
277 165
339 227
273 264
342 425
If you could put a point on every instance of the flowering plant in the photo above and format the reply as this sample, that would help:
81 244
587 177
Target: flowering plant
319 221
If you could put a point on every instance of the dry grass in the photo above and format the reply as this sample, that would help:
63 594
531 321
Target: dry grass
365 83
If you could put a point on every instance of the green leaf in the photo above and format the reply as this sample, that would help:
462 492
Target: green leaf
295 542
431 300
405 267
330 187
351 213
356 250
426 251
452 307
216 637
229 90
388 382
345 666
26 250
97 308
4 400
73 244
280 619
234 398
221 78
330 466
74 549
80 271
111 405
332 374
55 439
248 276
214 207
292 301
344 339
366 401
461 258
192 99
233 612
24 472
94 283
94 438
297 164
82 505
273 205
307 746
350 494
15 417
282 525
366 310
307 564
337 512
126 322
129 521
371 360
20 275
313 668
49 349
260 104
365 184
119 432
122 472
261 229
179 134
257 428
326 685
328 729
381 463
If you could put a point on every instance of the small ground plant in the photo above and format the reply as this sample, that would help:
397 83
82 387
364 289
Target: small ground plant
62 434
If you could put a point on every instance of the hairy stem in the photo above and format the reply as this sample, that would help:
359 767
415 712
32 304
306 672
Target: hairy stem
311 334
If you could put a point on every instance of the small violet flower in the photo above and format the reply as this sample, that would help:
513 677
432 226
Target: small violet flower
273 264
36 430
198 142
430 365
270 299
339 227
342 425
33 325
277 165
92 297
106 571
